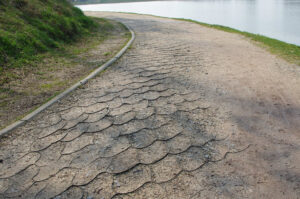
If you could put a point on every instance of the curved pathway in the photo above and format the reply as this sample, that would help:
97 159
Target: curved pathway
187 112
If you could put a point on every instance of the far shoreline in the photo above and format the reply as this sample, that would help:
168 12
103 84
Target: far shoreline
114 2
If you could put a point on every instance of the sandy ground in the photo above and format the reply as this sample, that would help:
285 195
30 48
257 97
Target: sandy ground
187 112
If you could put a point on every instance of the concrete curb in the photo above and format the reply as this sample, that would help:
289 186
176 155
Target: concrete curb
69 90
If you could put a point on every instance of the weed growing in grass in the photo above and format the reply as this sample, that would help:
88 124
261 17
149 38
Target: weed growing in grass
107 53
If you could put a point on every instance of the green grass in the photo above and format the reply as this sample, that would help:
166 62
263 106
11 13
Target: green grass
31 27
107 53
289 52
51 85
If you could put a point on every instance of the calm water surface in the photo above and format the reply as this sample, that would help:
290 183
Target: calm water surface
278 19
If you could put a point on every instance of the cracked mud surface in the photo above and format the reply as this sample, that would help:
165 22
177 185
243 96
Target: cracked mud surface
165 122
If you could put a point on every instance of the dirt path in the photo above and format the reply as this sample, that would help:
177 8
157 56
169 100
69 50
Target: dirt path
187 112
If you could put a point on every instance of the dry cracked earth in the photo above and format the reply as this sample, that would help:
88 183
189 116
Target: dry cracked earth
188 112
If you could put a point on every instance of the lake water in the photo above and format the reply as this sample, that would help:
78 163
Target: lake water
278 19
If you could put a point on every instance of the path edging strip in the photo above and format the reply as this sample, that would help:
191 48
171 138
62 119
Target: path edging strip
30 116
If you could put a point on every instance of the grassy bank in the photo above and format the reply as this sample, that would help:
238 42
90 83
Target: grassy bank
30 27
289 52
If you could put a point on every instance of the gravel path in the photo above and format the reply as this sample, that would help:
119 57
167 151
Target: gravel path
187 112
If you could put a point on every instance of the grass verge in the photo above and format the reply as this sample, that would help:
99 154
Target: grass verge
39 80
31 27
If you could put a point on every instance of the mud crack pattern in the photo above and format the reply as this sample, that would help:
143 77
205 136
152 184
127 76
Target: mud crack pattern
138 131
